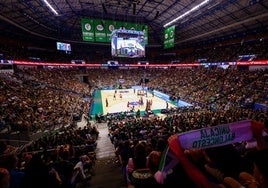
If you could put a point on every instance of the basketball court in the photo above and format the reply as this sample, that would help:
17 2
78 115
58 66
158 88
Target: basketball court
123 100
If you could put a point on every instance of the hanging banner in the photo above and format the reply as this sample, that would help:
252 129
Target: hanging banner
120 25
88 30
146 31
100 30
169 37
144 28
131 26
110 26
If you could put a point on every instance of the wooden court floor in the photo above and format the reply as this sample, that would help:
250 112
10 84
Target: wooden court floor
127 99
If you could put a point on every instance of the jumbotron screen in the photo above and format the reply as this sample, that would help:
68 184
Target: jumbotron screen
64 46
128 43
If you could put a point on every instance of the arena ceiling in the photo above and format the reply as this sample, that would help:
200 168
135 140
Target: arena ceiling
215 19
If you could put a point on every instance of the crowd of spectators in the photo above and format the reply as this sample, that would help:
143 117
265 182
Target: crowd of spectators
58 159
47 100
213 88
39 100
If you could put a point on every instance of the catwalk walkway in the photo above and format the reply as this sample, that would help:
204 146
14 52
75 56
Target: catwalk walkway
107 171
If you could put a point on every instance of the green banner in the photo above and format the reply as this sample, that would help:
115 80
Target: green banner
145 30
88 30
169 37
110 26
131 26
120 25
98 30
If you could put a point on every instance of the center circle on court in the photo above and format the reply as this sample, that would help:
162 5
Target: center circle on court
134 103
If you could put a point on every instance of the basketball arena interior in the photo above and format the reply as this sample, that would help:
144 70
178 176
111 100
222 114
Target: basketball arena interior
133 93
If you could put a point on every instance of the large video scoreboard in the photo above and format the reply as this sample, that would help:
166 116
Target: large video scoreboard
128 43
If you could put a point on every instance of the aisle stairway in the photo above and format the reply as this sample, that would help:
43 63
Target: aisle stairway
107 170
104 148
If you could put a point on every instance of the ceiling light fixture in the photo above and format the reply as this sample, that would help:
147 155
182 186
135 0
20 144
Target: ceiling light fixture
50 7
186 13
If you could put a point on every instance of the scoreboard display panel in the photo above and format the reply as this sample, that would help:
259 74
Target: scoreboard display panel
128 43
